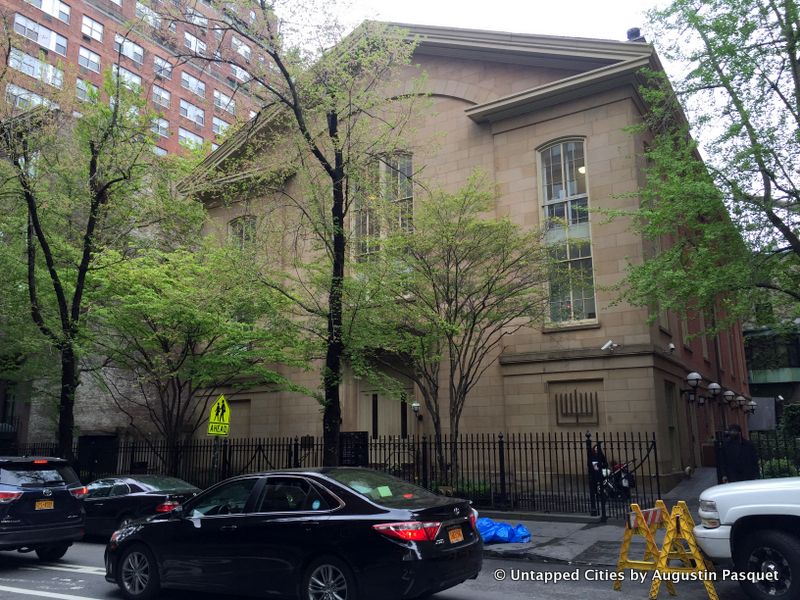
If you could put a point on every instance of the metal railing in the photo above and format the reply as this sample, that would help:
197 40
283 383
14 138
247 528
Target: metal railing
539 472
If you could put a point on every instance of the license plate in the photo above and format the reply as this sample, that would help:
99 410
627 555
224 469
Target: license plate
44 505
456 535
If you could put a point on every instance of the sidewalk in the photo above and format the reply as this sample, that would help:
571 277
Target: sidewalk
573 540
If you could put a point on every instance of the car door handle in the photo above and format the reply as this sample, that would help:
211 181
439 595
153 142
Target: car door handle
228 528
97 503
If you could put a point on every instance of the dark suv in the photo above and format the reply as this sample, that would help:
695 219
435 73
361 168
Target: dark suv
41 505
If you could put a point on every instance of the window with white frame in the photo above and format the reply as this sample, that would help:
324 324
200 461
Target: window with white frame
187 138
21 98
162 67
161 96
196 17
38 69
89 60
194 43
148 15
92 29
241 48
159 151
224 102
218 125
128 78
193 84
252 114
565 203
214 146
161 127
54 8
242 231
128 48
85 91
391 179
40 34
240 74
117 2
192 112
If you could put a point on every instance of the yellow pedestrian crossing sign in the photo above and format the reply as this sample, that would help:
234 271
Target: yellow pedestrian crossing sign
219 418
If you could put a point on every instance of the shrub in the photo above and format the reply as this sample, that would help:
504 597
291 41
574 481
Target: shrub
790 420
778 467
776 445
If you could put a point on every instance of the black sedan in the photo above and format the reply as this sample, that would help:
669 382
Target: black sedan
114 502
333 533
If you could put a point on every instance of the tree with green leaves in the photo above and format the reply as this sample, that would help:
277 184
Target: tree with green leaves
330 111
446 295
725 233
181 324
71 190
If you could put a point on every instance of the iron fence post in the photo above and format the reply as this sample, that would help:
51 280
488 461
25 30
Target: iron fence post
501 450
590 470
424 461
658 474
296 462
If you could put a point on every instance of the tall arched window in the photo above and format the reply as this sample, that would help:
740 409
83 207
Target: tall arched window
566 211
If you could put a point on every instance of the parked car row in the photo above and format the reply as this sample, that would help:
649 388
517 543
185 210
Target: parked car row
320 533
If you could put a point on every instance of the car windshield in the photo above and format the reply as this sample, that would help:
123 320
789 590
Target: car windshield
382 488
160 482
30 474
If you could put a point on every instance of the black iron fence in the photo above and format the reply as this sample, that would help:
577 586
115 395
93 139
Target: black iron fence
561 472
778 453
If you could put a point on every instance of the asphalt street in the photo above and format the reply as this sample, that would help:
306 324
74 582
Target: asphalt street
79 576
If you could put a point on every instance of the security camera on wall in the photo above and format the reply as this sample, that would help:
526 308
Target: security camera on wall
671 348
609 345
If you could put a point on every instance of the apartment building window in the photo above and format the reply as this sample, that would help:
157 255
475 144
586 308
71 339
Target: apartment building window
128 48
240 73
565 206
162 67
240 47
148 15
196 17
89 60
54 8
32 66
192 112
117 2
187 138
252 114
218 125
159 151
224 102
391 178
161 127
41 35
214 146
128 78
193 84
85 91
194 44
161 96
92 29
22 98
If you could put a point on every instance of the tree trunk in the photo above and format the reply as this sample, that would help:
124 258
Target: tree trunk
66 418
454 467
332 415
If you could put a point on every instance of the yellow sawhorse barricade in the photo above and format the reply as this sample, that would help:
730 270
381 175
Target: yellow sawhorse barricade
679 545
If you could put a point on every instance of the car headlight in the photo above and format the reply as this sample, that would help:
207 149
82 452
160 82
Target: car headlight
708 506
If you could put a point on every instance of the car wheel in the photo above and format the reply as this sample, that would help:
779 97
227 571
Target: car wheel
50 553
137 574
775 556
328 578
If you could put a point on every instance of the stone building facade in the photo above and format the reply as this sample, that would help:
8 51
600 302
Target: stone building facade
545 118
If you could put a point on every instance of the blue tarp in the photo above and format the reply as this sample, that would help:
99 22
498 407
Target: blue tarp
494 532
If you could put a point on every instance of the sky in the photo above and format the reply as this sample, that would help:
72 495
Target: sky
607 19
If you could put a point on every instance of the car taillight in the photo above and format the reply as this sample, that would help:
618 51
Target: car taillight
40 461
8 497
167 506
410 531
473 518
80 492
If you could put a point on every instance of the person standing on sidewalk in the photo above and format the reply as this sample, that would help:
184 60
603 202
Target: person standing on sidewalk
739 458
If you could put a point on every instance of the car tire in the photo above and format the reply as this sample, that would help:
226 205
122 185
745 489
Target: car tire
770 551
52 552
328 574
137 573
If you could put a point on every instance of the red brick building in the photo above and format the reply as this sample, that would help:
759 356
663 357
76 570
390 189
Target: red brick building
64 47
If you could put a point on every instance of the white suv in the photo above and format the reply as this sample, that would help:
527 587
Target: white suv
756 524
